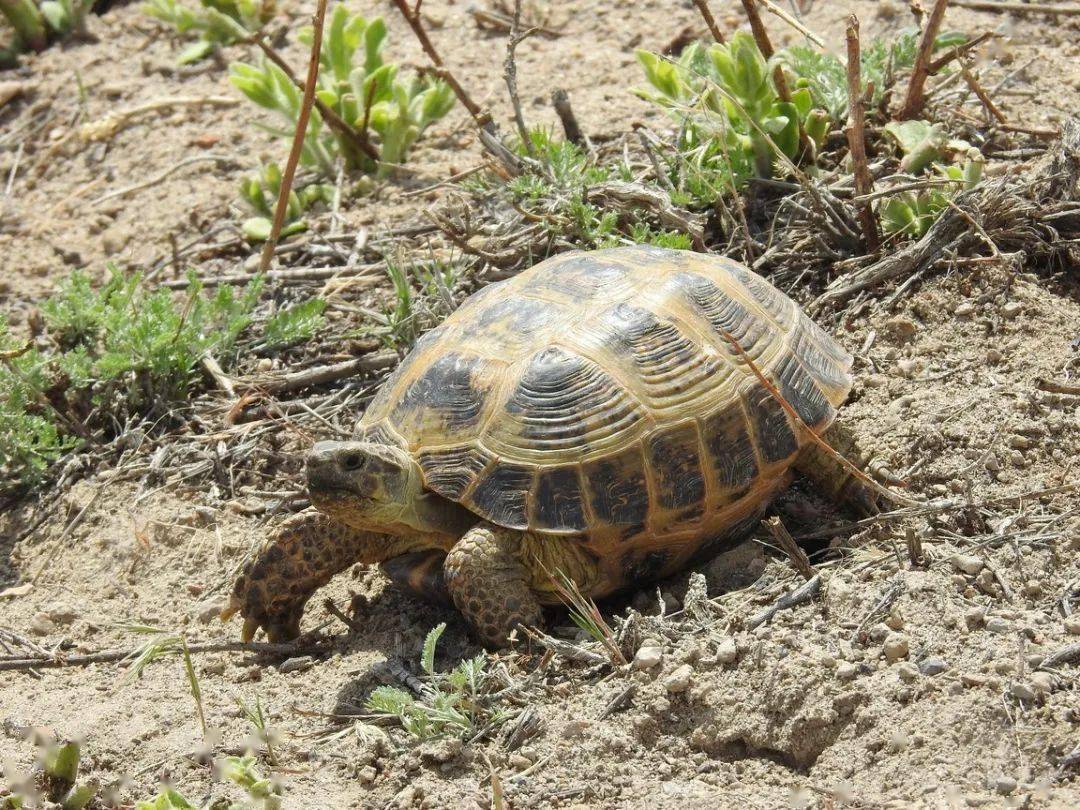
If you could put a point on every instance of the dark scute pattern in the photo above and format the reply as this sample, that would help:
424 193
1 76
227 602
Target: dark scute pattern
775 435
557 500
514 315
619 494
641 568
562 398
798 388
827 368
383 399
730 448
453 386
502 495
658 348
450 472
676 467
579 276
778 305
726 315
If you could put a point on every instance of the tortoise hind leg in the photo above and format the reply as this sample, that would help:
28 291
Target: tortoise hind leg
489 582
834 479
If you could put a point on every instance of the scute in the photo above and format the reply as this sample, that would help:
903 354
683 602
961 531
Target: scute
599 394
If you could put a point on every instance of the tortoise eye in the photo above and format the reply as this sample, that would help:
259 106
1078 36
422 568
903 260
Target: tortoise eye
353 461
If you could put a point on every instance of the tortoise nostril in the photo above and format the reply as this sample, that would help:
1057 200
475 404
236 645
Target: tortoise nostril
352 461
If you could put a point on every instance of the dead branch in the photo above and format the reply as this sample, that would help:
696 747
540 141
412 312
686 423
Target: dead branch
1017 8
804 593
856 137
960 50
112 656
291 274
318 375
561 102
913 102
635 197
980 93
787 544
1066 655
298 138
510 75
710 21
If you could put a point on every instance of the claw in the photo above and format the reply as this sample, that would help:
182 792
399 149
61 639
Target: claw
230 609
251 626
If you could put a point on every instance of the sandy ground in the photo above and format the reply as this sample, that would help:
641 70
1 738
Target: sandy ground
938 701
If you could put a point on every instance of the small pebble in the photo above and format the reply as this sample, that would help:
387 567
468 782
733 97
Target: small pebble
1072 625
1021 691
907 672
1004 785
964 309
519 763
680 679
847 671
726 651
895 647
1011 310
975 618
998 625
648 657
42 625
933 666
367 774
969 564
296 664
1042 683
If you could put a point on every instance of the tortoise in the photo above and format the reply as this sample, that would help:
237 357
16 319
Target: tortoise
591 415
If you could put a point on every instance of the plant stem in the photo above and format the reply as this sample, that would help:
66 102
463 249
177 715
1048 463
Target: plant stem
856 137
298 138
710 21
27 21
915 99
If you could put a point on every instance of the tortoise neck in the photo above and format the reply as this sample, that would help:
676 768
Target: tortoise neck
430 513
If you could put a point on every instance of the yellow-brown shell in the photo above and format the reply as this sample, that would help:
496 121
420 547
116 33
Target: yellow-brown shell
598 394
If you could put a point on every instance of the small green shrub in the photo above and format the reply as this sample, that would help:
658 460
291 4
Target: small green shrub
452 703
726 92
214 22
260 192
356 83
928 151
294 324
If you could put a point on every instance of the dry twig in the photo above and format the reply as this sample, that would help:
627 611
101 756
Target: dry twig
787 544
856 137
298 138
1017 8
710 21
804 593
915 98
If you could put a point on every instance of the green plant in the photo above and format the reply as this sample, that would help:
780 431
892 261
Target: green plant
293 324
927 148
26 21
881 60
215 22
586 615
263 733
260 193
726 92
423 296
357 84
454 703
242 771
161 644
66 17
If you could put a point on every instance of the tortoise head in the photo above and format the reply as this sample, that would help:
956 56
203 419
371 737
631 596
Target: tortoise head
376 487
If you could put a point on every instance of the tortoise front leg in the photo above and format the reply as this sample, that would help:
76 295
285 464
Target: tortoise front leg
307 551
489 582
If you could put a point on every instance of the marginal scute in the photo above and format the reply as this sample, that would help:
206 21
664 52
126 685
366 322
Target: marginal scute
618 491
501 495
557 500
776 439
797 387
675 466
730 449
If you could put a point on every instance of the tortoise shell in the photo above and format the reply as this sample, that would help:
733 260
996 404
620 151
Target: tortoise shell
599 394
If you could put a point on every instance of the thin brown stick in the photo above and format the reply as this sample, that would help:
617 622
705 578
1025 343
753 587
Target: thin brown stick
710 21
793 22
916 98
980 93
318 375
787 544
291 274
960 50
510 75
1055 387
298 139
112 656
914 547
856 137
1017 8
358 136
571 129
804 593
